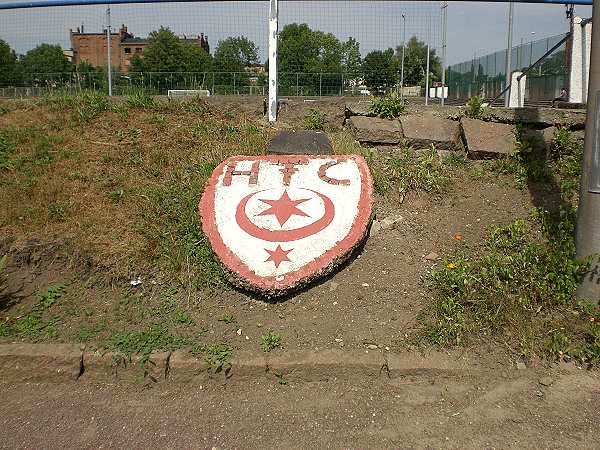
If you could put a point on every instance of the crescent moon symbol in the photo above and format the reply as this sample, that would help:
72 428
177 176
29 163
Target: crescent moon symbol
284 235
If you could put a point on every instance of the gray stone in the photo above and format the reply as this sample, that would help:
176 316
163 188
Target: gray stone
540 139
430 129
569 105
486 139
375 228
521 365
433 256
300 143
546 381
358 108
374 130
391 221
543 117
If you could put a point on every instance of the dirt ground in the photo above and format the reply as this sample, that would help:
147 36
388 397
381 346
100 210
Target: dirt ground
520 409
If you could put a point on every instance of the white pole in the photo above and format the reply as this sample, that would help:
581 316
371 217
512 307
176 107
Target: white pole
403 46
273 18
108 46
444 32
509 53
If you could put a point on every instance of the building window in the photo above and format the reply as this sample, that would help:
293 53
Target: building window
138 50
127 50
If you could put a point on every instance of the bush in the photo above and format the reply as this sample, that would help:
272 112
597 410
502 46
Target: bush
314 120
388 107
474 107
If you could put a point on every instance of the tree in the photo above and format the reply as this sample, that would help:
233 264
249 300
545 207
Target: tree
232 58
415 63
165 52
380 69
352 61
8 64
45 58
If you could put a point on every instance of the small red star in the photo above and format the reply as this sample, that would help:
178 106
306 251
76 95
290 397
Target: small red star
278 255
283 208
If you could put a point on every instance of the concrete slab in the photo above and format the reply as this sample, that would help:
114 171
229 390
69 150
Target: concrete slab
373 130
300 143
429 129
278 223
487 139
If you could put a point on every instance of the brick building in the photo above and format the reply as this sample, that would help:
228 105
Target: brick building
91 47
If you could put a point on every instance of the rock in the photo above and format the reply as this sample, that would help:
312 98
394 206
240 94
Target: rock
359 108
569 105
540 139
432 256
333 286
486 139
543 117
99 366
521 365
546 381
390 221
429 129
375 228
374 130
300 143
372 347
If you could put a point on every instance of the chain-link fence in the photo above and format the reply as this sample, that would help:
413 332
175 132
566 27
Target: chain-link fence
486 75
326 48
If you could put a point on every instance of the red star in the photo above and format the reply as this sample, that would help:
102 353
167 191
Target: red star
283 208
278 255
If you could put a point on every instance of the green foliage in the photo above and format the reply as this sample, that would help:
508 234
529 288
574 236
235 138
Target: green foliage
234 54
165 52
380 69
314 119
228 318
172 229
155 337
8 64
389 106
7 148
474 107
34 325
416 172
415 63
83 106
281 379
140 99
217 357
269 341
57 211
45 59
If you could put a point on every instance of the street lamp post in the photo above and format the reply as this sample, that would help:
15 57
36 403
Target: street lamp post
402 69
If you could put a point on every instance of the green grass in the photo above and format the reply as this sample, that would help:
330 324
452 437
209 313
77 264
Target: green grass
217 357
520 287
172 228
38 323
270 341
83 106
314 119
387 107
228 318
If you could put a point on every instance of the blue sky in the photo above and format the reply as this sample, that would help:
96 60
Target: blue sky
472 27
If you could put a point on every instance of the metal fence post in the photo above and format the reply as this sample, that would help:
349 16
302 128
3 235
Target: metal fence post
273 28
509 52
108 45
320 84
233 83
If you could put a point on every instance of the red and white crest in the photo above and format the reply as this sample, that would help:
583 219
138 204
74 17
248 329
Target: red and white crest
277 222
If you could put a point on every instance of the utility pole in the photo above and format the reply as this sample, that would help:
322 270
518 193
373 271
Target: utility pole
508 53
444 31
588 216
273 29
108 46
427 71
403 46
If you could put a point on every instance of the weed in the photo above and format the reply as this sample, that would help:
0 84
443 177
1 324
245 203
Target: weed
389 106
87 333
413 173
281 379
474 107
217 357
57 212
228 318
84 105
171 312
314 119
32 324
7 148
116 195
229 115
140 99
154 337
456 159
270 341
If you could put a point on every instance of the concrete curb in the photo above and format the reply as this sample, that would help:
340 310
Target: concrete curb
67 362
